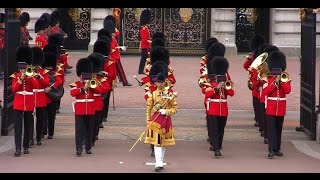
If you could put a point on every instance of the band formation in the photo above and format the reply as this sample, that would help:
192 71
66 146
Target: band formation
38 86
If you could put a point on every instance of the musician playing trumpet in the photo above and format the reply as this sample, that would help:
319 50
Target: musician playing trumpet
279 85
217 107
84 106
23 84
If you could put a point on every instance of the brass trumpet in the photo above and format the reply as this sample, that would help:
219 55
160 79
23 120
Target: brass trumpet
284 77
228 85
29 71
93 83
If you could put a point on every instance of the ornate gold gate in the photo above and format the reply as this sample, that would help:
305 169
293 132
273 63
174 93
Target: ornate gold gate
186 29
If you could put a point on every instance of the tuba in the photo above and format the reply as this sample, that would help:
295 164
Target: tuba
260 60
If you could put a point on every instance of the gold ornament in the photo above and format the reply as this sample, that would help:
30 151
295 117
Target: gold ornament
185 14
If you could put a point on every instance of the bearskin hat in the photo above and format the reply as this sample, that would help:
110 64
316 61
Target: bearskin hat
102 47
277 59
104 32
2 17
218 66
269 48
96 62
24 54
37 54
110 18
24 19
159 54
158 72
47 18
261 48
56 14
256 41
209 42
105 39
102 59
110 26
50 60
157 35
54 20
51 48
145 17
84 65
39 25
216 49
56 39
157 42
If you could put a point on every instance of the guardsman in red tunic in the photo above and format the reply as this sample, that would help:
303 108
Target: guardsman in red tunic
217 106
25 36
2 42
39 93
100 78
23 83
115 52
279 85
145 39
103 47
50 64
255 42
47 18
84 106
264 72
40 29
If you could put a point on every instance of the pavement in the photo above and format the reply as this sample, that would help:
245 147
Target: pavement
242 142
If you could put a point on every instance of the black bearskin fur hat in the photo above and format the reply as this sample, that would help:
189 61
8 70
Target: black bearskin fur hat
218 66
216 49
145 17
277 59
156 68
84 65
24 54
37 54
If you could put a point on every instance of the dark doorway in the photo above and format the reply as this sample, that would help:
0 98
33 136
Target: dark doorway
76 23
250 21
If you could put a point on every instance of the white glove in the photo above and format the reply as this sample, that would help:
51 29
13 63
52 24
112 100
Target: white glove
162 111
123 48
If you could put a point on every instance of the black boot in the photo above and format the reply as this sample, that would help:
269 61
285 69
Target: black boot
270 155
217 153
25 151
17 153
265 141
278 153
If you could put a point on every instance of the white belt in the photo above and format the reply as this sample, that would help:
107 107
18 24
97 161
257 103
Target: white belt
84 100
24 93
96 94
276 98
216 100
38 90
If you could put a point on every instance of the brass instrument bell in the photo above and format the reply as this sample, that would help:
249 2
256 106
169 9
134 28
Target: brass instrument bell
228 85
93 83
259 61
29 71
284 77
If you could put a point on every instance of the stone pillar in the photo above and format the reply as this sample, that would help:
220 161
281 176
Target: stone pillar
97 17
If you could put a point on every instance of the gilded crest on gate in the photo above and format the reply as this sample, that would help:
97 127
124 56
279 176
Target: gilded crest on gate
74 13
137 13
185 14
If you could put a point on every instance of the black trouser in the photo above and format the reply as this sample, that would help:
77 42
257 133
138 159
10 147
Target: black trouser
263 119
275 124
106 104
58 104
84 125
255 102
51 111
217 125
208 127
98 120
120 73
26 117
144 55
41 116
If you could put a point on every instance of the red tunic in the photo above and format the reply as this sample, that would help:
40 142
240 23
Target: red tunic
38 90
115 52
84 104
248 61
2 38
41 41
217 104
23 92
110 68
276 97
145 37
